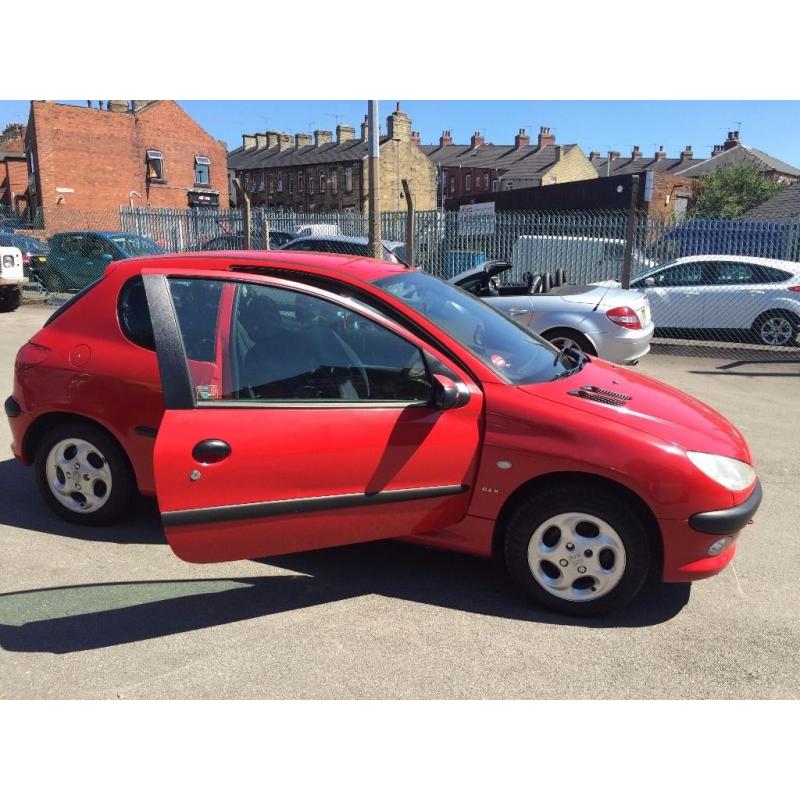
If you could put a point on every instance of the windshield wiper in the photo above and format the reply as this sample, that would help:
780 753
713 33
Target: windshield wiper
580 357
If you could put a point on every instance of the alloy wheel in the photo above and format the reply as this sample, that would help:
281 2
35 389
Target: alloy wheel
775 331
576 556
78 475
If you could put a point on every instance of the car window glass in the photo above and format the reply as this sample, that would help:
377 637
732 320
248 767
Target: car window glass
196 303
734 272
690 274
134 315
290 346
773 275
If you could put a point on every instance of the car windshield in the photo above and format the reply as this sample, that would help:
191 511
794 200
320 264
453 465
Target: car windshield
136 245
512 351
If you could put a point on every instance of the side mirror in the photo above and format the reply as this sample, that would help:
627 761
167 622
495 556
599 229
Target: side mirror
649 281
449 394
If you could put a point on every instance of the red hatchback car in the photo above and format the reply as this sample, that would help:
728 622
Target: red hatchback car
278 402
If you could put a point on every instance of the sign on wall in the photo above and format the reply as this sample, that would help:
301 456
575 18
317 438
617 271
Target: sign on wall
477 219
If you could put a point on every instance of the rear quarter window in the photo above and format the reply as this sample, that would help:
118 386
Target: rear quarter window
134 314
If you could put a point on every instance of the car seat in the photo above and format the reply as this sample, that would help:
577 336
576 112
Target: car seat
547 283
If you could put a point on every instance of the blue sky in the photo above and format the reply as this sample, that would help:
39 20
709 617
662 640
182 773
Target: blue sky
772 126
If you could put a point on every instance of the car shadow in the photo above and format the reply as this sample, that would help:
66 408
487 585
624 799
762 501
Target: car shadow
74 618
28 510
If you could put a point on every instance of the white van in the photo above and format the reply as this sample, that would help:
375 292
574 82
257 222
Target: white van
12 278
581 257
326 229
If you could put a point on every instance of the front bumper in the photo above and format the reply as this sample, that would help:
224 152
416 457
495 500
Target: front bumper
687 542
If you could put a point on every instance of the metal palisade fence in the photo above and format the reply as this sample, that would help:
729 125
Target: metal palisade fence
589 246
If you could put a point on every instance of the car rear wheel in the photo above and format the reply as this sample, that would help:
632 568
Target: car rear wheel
83 474
578 550
775 328
10 300
561 337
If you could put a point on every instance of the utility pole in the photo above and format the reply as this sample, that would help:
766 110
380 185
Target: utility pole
375 244
246 212
409 223
630 234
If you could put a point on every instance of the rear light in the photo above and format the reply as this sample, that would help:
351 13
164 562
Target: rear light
30 355
794 289
26 259
625 317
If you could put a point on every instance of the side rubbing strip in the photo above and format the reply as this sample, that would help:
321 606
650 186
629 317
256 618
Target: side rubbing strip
277 508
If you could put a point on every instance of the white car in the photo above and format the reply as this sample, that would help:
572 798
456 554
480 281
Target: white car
605 321
12 278
742 296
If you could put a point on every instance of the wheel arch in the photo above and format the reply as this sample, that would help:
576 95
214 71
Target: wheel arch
542 482
777 309
565 329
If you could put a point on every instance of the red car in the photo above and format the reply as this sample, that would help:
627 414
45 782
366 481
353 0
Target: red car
278 402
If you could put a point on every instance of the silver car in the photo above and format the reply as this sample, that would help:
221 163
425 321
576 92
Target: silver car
605 321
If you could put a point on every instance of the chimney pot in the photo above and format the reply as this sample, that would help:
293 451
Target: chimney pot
302 140
546 137
476 140
732 140
660 154
285 141
445 139
322 137
686 153
261 140
345 133
248 141
636 152
365 128
521 139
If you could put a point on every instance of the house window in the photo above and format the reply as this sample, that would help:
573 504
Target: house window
485 180
300 182
468 182
202 171
271 184
155 165
452 185
348 180
322 183
311 184
334 182
291 185
495 185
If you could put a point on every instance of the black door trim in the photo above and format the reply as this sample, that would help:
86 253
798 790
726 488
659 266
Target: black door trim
277 508
175 380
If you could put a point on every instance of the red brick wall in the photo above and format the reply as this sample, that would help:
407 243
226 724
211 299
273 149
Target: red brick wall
666 189
13 180
100 154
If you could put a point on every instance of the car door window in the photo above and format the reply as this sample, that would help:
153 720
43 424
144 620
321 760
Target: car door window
733 273
693 273
288 346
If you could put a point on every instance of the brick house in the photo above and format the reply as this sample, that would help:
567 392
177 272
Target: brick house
302 173
466 171
146 152
13 168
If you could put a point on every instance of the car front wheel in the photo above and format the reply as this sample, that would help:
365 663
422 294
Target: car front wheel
578 549
83 474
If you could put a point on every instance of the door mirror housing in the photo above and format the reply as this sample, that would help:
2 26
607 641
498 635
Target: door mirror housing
448 393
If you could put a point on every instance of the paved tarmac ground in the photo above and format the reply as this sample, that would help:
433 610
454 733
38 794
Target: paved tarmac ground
110 612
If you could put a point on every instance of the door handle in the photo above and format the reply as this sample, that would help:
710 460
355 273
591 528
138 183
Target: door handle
211 451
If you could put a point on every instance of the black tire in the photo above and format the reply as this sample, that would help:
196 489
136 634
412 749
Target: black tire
122 478
778 320
10 300
600 502
557 334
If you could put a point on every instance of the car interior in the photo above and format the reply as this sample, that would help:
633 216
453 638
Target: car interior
485 283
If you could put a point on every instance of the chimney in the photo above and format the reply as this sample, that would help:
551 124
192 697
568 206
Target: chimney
415 137
718 148
345 133
476 140
546 138
594 155
261 140
248 141
660 155
731 141
398 125
285 141
445 139
636 153
138 105
612 155
302 140
686 153
522 139
365 128
272 139
118 105
322 137
558 152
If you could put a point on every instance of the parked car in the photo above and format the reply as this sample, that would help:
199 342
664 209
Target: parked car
321 229
235 241
279 402
78 258
346 245
743 297
601 321
34 252
578 255
12 278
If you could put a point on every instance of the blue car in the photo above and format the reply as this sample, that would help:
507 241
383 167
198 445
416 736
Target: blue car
79 258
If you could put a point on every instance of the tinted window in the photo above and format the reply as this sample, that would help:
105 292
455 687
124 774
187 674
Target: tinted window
692 274
741 272
134 315
196 304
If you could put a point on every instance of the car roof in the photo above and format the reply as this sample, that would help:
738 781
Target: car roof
335 237
353 268
97 233
791 266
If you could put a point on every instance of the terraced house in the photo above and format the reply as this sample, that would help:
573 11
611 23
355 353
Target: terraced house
468 170
302 173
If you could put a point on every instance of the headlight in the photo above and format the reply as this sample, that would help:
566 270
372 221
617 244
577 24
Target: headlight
728 472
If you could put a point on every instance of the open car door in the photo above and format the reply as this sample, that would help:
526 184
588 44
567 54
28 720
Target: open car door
297 419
